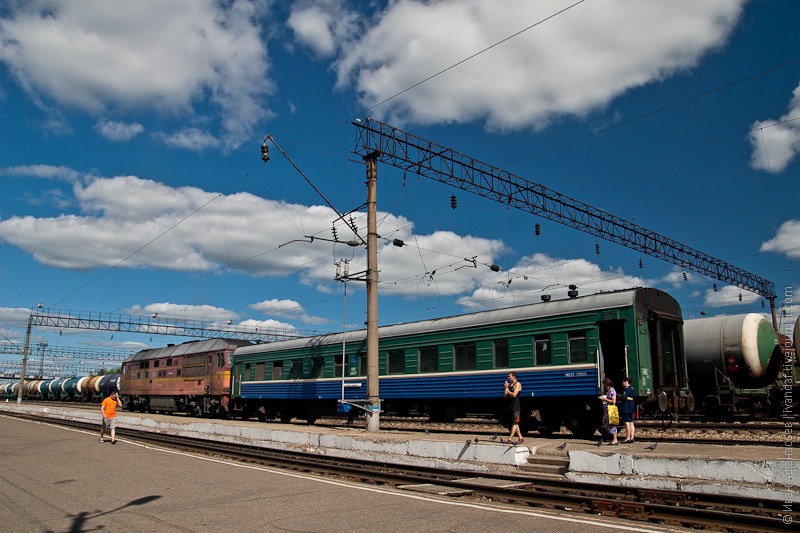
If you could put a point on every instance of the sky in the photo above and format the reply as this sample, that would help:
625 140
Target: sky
133 183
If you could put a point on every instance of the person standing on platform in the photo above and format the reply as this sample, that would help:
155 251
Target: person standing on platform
511 391
627 408
109 410
609 398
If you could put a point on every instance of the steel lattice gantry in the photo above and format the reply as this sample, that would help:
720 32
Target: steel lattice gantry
155 326
411 153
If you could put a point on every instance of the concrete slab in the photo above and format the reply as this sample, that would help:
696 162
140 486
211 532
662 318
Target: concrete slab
439 490
497 483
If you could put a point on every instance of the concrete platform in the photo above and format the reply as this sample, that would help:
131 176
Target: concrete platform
61 479
766 472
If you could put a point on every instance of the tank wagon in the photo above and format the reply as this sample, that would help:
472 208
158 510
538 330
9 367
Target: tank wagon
732 360
451 366
192 377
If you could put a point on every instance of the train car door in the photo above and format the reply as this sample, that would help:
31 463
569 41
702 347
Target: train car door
613 350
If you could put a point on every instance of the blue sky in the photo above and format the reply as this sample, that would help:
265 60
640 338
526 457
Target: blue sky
132 179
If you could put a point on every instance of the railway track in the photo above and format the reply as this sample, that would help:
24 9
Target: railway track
765 433
674 508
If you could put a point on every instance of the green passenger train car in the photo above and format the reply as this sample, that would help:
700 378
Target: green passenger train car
450 367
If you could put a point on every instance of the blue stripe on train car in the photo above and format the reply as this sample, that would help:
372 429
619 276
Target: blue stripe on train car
536 384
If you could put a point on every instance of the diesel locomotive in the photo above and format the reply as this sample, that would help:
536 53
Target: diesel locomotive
192 377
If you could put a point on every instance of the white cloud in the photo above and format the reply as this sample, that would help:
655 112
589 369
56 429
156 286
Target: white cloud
541 274
679 278
166 310
42 171
573 64
786 241
118 131
287 309
729 295
99 56
191 139
322 25
776 145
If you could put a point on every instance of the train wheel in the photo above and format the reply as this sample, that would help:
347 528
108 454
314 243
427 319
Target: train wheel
285 417
581 422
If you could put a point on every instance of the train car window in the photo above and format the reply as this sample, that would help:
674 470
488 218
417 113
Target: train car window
429 359
465 356
246 376
260 371
577 347
318 367
337 366
543 350
396 361
277 370
169 362
297 369
362 364
501 353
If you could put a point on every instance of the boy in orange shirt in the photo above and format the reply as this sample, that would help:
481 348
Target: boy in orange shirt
109 410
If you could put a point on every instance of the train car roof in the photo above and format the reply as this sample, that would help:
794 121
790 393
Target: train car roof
188 348
591 302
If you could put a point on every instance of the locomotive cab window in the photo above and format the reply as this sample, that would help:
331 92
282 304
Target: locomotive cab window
543 350
429 359
577 347
465 356
220 360
396 361
501 353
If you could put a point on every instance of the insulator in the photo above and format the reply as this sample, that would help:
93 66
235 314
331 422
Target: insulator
453 201
641 263
597 248
685 277
264 152
537 229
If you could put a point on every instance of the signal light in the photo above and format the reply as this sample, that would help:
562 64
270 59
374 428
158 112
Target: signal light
453 201
537 229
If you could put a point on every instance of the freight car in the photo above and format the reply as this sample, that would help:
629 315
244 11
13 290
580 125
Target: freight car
732 361
447 367
192 377
89 388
